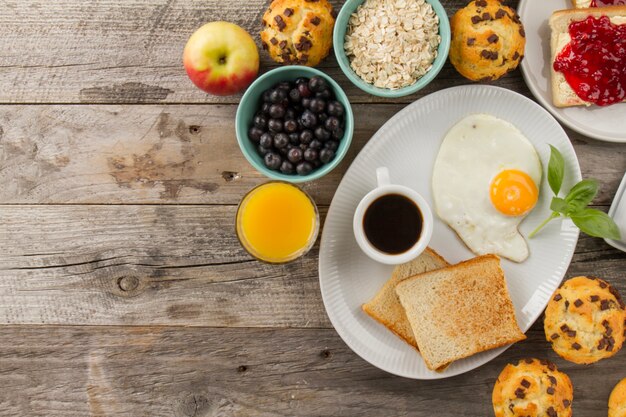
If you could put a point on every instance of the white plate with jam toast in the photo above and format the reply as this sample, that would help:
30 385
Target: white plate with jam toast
544 43
409 144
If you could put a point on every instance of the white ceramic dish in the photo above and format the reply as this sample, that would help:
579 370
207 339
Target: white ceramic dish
604 123
408 144
618 213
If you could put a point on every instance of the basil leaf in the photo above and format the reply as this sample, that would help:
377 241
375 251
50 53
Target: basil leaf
556 170
559 205
581 195
596 223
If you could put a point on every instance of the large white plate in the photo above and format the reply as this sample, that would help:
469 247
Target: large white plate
604 123
408 144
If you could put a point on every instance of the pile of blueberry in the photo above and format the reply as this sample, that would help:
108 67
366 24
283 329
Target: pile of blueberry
299 126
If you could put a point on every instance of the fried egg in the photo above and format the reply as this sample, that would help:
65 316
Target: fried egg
485 181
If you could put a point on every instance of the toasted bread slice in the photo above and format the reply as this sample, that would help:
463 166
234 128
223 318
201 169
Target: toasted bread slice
562 93
458 311
385 306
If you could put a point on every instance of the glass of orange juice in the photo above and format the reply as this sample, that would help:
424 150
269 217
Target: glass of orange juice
277 222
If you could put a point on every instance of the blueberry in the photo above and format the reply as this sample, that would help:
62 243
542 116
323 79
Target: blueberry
317 105
321 118
308 119
306 136
284 85
290 114
304 91
287 167
272 160
306 102
260 121
317 84
266 140
303 147
315 144
255 134
283 151
338 134
304 168
311 154
290 126
277 95
301 80
281 140
332 124
277 111
263 150
294 138
294 95
327 155
266 96
333 145
275 125
295 155
324 94
322 134
335 108
265 108
317 163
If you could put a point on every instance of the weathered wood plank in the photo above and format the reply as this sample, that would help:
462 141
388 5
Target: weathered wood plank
121 154
169 265
179 372
117 51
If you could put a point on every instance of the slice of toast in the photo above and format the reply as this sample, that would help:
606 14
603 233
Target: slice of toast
385 306
461 310
562 93
583 4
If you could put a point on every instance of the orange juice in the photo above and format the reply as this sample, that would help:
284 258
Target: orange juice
277 222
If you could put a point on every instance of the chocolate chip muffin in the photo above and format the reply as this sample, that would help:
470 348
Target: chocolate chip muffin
488 40
617 400
298 31
585 320
533 387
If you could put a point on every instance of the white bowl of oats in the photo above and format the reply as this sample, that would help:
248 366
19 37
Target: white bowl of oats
391 48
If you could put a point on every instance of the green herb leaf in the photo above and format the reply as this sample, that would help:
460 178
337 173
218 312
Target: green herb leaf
581 195
596 223
559 205
556 170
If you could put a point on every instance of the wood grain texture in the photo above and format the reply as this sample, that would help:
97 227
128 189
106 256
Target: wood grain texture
118 51
180 372
169 265
125 154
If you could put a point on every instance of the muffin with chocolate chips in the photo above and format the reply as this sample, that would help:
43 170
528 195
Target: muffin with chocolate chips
488 40
617 400
298 31
533 387
585 320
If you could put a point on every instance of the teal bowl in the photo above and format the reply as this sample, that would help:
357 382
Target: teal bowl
339 34
250 104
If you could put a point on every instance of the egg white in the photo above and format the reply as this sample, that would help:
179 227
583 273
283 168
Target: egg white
473 152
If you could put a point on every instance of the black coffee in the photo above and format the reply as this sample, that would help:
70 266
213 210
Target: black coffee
392 223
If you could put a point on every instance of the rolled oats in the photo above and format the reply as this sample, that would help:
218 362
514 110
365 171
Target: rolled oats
392 43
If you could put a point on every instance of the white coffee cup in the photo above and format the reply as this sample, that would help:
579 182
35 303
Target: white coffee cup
385 187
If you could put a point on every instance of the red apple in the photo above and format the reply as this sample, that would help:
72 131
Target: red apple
221 58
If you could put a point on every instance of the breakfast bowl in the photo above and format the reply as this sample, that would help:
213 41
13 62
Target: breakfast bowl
339 35
250 107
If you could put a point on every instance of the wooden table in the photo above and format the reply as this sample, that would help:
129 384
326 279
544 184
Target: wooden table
123 289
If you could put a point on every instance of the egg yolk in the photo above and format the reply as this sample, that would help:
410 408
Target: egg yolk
513 192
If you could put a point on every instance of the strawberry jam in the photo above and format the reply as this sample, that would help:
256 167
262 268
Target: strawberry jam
602 3
594 62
